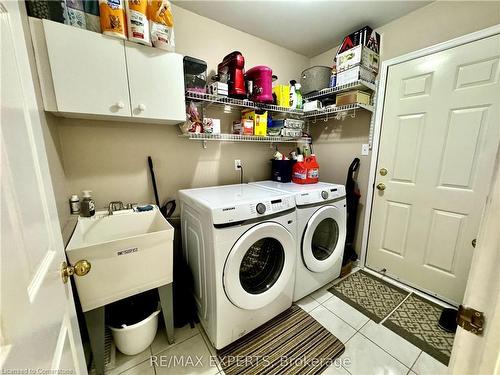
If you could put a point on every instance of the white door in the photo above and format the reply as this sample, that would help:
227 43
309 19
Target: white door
39 330
259 266
88 70
324 238
156 79
440 134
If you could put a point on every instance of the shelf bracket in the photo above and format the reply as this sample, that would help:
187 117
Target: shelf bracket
204 144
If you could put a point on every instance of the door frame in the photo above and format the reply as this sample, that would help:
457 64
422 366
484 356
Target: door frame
379 107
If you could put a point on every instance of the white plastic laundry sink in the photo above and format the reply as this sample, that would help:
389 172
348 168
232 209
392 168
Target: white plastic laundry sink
129 253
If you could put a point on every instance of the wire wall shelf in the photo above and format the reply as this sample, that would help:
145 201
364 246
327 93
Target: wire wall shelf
357 85
204 137
224 100
334 110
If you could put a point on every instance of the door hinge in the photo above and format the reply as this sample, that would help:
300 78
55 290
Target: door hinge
471 320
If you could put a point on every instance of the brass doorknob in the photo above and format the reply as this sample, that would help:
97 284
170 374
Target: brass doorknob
381 186
474 242
81 268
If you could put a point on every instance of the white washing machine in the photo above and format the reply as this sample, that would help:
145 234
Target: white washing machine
239 241
321 231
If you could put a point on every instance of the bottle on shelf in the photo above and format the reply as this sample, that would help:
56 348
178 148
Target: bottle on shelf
87 207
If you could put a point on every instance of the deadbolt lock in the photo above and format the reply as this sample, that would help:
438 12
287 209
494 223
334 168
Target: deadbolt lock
81 268
383 171
381 186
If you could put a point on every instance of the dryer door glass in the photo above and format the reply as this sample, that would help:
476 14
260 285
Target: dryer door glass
325 238
262 265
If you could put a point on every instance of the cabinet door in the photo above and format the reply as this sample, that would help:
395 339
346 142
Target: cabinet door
88 71
156 80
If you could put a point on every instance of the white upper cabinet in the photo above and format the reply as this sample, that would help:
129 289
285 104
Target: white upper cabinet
89 75
156 92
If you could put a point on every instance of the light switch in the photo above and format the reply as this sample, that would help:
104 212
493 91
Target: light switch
365 149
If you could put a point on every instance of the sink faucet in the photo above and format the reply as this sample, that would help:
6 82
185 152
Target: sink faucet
115 206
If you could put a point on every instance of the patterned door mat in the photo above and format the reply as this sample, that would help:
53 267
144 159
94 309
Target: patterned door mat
292 343
370 295
416 320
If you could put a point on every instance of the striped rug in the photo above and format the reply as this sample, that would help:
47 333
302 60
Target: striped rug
292 343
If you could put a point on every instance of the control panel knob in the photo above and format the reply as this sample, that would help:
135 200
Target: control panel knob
324 194
261 208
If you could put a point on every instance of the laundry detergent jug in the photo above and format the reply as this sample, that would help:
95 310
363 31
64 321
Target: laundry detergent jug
299 171
312 169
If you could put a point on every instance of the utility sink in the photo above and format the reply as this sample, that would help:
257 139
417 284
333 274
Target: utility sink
129 252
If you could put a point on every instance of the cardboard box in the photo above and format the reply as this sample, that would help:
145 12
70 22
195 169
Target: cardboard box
282 93
259 119
312 106
211 125
218 88
243 127
351 97
354 74
362 37
359 55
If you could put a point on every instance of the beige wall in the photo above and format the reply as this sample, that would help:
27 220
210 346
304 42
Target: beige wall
337 143
109 157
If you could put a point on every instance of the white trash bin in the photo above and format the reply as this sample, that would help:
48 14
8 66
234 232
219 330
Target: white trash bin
133 339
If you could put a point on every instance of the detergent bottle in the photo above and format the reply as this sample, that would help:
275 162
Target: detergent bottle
299 171
312 169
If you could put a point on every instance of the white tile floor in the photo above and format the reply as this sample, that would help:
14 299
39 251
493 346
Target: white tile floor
370 347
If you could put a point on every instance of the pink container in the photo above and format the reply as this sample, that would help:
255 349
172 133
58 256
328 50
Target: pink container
261 78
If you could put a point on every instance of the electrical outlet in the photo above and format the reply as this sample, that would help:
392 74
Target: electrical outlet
365 149
237 164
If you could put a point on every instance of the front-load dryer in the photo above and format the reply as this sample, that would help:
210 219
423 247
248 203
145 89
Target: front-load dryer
239 241
321 231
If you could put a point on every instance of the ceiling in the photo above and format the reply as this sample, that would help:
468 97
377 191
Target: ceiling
308 27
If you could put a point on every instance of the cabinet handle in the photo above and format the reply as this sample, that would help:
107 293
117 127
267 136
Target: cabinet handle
141 107
120 105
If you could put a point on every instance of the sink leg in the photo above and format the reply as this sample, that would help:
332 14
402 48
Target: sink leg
167 307
94 319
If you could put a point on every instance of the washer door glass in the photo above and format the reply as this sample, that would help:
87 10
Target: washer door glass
324 238
260 266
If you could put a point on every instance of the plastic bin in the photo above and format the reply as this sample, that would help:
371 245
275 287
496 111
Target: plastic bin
132 340
282 170
133 322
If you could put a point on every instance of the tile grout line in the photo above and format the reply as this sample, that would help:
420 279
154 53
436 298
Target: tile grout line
414 363
209 346
356 329
359 330
170 346
409 368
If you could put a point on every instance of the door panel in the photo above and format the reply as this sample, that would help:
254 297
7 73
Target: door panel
88 69
156 81
35 302
439 138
